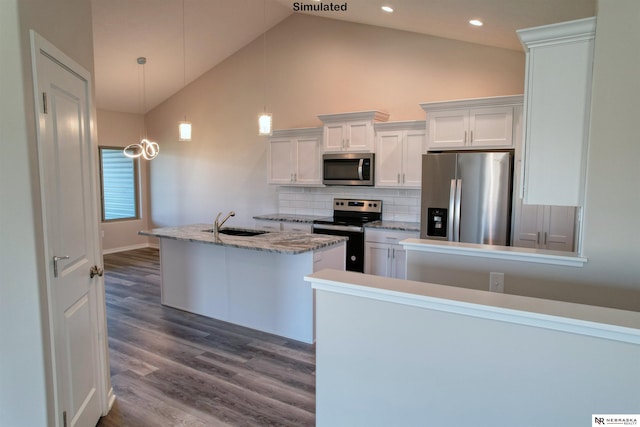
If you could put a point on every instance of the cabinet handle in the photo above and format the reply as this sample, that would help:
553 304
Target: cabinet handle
465 137
388 252
393 253
471 141
398 178
403 178
545 238
538 238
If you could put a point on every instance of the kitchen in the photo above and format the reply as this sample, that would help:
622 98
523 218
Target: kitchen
610 277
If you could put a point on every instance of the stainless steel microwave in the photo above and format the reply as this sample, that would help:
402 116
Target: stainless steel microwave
348 169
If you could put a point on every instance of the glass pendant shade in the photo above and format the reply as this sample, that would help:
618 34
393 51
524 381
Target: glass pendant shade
184 130
264 124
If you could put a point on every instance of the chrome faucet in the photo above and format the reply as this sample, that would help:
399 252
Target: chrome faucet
217 224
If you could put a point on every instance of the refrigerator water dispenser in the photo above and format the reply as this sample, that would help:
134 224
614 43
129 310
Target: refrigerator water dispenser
436 222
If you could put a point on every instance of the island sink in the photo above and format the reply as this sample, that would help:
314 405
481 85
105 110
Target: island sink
237 232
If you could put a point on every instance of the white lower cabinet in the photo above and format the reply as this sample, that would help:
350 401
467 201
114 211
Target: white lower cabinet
545 227
298 227
276 226
383 254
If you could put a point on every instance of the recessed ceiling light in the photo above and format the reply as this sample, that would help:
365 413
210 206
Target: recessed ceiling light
387 9
476 22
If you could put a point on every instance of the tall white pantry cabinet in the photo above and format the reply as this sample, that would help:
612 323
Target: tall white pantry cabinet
556 111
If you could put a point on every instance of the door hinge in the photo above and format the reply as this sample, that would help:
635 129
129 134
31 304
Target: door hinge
44 102
64 418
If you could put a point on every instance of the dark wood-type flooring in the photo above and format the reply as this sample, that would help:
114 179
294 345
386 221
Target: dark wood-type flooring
172 368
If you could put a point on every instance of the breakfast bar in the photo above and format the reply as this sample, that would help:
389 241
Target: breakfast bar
255 281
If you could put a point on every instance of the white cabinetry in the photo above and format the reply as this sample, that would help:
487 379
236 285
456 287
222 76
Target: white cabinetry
295 157
483 123
558 99
545 227
399 148
384 256
277 226
298 227
350 131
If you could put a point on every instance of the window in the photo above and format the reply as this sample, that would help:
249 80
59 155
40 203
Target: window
119 185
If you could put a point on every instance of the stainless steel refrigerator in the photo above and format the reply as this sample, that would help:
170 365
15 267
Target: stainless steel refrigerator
466 197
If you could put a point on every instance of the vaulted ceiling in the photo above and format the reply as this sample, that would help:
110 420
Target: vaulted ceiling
214 29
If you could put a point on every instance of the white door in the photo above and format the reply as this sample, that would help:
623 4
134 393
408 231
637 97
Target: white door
70 229
491 127
377 259
388 158
559 227
412 158
448 129
280 169
308 161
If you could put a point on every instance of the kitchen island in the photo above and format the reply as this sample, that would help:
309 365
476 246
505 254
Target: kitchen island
253 281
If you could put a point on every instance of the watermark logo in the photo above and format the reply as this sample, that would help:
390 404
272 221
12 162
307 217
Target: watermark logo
320 7
615 420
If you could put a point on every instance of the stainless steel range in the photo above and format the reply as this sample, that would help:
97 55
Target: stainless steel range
349 217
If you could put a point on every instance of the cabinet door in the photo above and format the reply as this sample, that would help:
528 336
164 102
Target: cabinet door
447 129
558 228
279 165
491 127
412 158
334 137
528 227
388 158
557 122
308 161
376 260
399 262
359 136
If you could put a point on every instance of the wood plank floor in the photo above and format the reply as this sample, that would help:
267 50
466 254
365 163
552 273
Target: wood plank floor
172 368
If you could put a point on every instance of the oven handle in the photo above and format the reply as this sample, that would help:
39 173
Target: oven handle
338 227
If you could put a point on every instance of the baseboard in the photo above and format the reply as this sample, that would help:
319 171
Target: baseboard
129 248
111 399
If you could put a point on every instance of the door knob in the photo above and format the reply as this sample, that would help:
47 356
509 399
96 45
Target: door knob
95 271
55 263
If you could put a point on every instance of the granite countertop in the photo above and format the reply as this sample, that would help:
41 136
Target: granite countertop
394 225
281 242
308 219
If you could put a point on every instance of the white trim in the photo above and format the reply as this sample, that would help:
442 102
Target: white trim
494 101
504 308
296 132
563 32
129 248
402 125
509 253
378 116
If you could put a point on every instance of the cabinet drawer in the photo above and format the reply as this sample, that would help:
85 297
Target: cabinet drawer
391 237
298 227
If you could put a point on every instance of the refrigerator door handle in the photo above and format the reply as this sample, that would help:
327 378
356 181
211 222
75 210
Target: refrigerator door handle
452 199
456 220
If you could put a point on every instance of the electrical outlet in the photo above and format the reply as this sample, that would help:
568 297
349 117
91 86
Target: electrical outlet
496 282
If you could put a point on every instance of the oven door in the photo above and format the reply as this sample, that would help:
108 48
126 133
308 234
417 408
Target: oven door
355 244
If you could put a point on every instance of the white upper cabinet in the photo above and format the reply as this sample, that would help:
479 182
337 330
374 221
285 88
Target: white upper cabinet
469 124
350 131
295 157
558 100
399 148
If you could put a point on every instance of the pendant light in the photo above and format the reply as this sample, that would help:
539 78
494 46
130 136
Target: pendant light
145 148
264 119
184 127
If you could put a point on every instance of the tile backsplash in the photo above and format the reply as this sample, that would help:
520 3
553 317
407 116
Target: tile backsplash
397 204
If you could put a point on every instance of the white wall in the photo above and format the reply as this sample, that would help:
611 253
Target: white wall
414 354
25 369
119 130
314 66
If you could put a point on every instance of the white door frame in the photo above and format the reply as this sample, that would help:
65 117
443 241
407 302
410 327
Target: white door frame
106 396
